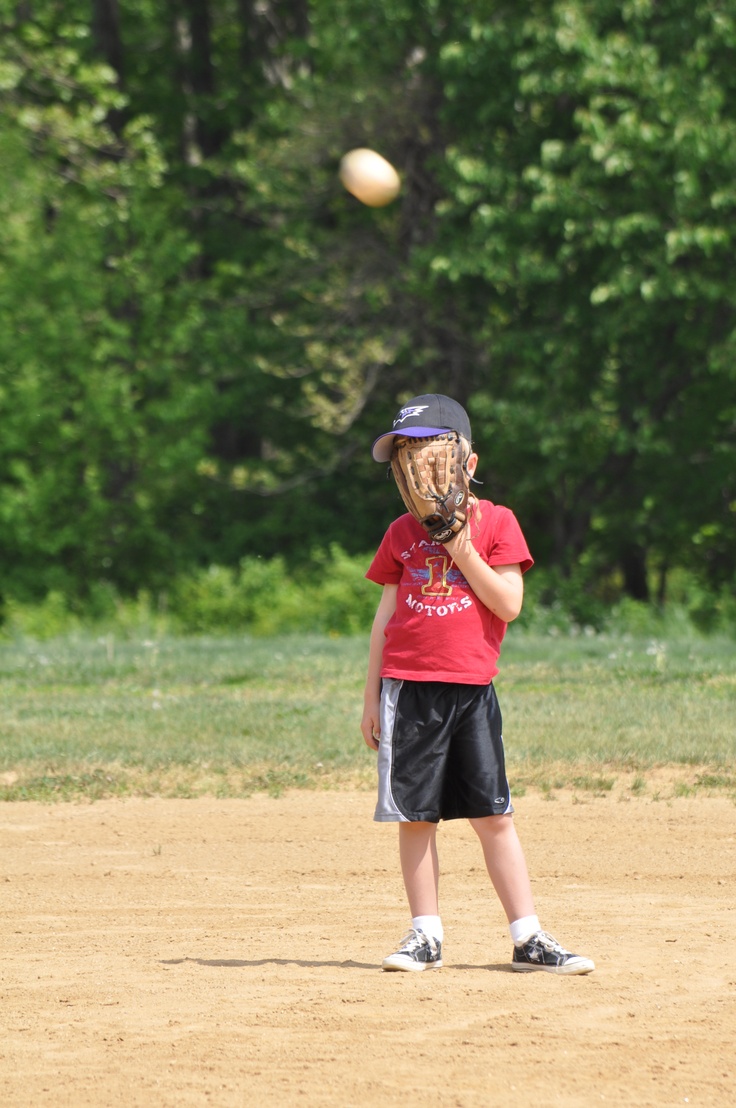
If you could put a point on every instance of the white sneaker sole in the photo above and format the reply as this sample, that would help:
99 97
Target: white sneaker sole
569 969
409 964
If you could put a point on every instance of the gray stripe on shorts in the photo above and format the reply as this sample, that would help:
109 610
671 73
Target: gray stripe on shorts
387 810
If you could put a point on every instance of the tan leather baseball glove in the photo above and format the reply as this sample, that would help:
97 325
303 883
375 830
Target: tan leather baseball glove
433 482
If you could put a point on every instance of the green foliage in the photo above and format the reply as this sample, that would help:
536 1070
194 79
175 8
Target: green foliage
269 597
710 610
592 208
328 594
201 332
555 606
41 620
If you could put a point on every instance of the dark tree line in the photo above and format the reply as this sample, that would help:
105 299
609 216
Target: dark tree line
201 332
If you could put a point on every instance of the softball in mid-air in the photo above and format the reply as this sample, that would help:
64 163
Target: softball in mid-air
369 177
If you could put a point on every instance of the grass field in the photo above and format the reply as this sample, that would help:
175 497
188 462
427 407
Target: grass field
91 716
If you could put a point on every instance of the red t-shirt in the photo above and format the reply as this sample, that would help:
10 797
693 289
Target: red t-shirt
440 631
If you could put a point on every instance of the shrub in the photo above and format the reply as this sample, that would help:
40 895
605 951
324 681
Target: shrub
329 594
43 620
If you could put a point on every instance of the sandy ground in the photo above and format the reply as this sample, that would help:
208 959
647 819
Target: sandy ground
204 952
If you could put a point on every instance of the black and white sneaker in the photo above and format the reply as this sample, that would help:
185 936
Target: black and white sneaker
542 952
417 952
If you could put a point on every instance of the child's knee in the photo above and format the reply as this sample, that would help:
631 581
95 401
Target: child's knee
487 826
417 829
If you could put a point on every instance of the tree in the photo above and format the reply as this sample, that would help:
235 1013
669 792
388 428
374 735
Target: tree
204 331
593 208
101 415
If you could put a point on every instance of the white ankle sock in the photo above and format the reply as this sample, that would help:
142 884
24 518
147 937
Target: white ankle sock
430 925
523 929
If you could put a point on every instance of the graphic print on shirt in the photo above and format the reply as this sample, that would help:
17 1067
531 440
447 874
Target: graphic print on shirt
435 581
437 585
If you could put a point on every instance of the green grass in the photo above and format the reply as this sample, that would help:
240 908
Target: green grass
620 701
87 716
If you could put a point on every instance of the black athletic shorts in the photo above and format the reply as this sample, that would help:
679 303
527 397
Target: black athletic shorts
441 753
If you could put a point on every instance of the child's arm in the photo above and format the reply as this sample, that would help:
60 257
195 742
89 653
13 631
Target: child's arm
500 588
370 724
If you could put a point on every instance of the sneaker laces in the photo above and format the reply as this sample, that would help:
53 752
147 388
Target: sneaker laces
543 938
549 943
414 940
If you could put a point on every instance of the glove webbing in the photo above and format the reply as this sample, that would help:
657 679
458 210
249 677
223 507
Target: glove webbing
434 484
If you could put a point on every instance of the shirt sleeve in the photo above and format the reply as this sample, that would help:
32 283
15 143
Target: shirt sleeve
386 568
508 545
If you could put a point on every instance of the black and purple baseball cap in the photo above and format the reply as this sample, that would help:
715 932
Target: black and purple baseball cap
421 418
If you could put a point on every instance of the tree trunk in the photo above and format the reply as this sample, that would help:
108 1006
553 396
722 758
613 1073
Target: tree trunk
634 565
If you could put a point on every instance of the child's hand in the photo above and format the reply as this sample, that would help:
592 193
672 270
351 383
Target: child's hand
500 588
460 546
370 724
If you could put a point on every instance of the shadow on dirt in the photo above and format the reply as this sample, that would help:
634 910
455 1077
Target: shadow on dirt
241 963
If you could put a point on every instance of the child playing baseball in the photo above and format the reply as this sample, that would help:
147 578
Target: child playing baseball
451 585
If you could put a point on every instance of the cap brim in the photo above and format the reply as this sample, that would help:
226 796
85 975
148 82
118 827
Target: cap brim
384 444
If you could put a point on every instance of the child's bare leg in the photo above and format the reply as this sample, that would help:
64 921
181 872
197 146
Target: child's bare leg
506 865
421 948
420 867
534 949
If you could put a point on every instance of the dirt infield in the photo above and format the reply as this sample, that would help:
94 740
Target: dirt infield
205 952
